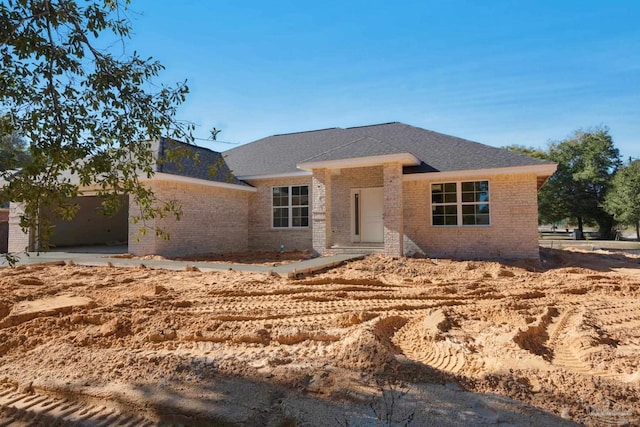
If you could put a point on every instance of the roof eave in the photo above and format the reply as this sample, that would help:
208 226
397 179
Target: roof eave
160 176
406 159
541 171
293 174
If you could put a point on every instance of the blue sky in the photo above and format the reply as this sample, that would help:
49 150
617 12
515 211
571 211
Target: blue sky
496 72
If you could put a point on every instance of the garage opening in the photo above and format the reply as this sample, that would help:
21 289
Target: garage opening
4 228
91 227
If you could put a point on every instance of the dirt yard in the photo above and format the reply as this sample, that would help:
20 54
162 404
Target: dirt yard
379 341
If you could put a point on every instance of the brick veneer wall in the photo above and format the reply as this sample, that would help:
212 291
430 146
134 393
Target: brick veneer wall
514 222
18 240
262 236
140 243
213 220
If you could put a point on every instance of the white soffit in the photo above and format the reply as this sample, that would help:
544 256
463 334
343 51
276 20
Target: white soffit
539 170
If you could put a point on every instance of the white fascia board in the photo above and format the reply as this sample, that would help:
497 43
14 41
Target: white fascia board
275 175
407 159
160 176
539 170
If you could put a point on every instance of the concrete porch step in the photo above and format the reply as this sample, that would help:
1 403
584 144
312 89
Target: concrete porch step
358 249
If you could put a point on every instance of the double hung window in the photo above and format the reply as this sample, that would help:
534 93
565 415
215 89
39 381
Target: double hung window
290 206
460 203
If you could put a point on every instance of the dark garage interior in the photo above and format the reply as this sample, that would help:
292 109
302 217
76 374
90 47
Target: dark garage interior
91 227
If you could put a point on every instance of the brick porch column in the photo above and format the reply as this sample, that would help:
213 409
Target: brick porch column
392 218
321 210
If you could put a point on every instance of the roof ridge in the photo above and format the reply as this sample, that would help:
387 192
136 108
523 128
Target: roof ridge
304 131
375 124
340 147
164 140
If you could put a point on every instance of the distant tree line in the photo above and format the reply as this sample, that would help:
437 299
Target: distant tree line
592 185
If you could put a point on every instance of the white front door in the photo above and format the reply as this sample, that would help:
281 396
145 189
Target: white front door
367 210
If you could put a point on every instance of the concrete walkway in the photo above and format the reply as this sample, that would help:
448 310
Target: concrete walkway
591 245
102 260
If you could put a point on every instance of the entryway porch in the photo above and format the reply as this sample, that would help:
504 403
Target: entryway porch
358 248
358 209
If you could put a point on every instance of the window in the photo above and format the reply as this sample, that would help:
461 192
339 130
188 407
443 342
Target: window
290 206
460 203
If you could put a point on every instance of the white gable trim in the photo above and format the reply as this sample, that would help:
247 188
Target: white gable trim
538 170
160 176
407 159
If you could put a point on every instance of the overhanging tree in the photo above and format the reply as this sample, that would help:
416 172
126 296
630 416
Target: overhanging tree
623 199
85 107
587 162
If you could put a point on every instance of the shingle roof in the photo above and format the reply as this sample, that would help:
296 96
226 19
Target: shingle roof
206 164
438 152
361 147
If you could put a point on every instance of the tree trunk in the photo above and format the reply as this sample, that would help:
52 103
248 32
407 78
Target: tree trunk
606 227
580 226
638 230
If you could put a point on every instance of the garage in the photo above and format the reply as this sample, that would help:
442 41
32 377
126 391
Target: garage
91 227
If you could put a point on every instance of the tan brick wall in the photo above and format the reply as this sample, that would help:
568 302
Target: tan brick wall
18 240
213 220
341 185
262 236
514 222
142 240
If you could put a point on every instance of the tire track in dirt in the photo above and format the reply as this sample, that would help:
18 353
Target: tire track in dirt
557 327
443 355
261 310
624 315
570 357
421 340
17 408
569 350
564 353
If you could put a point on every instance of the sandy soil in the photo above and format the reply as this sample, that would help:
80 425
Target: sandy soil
375 342
255 258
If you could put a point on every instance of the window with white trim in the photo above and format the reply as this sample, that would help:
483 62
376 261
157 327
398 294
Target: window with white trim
290 206
460 203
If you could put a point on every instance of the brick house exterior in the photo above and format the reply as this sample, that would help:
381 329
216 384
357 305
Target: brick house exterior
390 188
403 169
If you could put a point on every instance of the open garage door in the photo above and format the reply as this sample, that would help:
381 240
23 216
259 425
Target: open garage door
91 227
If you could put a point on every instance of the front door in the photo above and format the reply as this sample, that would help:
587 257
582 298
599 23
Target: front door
367 210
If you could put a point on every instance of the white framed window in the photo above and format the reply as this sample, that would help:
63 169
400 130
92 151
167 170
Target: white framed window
457 204
290 206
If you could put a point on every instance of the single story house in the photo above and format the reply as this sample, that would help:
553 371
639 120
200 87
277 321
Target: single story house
390 188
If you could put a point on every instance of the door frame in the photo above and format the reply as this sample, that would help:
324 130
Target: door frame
355 213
